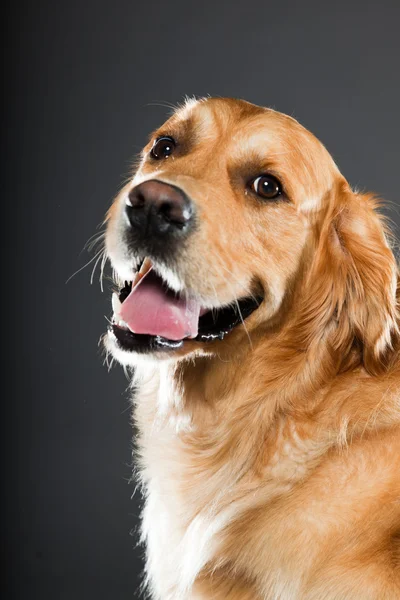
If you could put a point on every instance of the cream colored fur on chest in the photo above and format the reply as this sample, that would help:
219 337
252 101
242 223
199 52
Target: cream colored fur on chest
186 511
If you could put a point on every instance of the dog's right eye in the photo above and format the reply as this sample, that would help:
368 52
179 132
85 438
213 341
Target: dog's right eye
163 147
267 187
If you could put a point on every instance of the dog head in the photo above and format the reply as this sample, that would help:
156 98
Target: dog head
237 222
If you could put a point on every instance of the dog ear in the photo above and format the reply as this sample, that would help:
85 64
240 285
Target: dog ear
352 284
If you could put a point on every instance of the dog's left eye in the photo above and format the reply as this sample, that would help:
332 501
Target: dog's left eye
266 186
163 147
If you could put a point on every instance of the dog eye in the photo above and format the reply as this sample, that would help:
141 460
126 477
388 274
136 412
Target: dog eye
266 186
163 147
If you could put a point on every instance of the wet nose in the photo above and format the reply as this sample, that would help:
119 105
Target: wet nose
159 209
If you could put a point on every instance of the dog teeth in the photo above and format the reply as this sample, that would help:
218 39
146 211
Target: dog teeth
144 269
137 278
146 266
116 304
120 323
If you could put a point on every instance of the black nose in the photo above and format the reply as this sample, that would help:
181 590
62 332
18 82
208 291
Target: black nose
159 209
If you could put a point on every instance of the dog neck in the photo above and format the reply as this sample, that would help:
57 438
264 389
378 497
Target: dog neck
215 397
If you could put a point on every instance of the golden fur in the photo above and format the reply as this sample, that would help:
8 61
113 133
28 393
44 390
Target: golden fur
271 460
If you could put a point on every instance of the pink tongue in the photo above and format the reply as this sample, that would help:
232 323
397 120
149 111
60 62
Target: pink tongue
150 309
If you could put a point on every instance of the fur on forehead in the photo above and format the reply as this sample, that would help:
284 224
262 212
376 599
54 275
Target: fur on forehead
248 134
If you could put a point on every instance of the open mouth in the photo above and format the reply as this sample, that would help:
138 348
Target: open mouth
149 316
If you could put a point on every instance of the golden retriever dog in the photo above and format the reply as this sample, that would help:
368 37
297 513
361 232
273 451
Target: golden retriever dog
257 306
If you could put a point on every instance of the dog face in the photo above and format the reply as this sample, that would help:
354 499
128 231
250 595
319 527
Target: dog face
228 211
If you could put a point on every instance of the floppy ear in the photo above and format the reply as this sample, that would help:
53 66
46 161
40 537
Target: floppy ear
351 300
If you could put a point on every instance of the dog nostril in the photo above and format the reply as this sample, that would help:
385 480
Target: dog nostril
136 199
175 213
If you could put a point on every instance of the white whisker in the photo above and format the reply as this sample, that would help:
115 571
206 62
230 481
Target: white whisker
248 293
95 265
244 324
128 377
236 300
217 299
101 277
163 104
84 266
95 236
90 245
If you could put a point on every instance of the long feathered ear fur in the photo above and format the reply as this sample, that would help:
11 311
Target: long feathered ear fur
352 283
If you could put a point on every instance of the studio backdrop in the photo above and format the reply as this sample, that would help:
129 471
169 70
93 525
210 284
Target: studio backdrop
85 83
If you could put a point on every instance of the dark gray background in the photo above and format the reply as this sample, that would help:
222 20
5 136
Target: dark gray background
80 78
